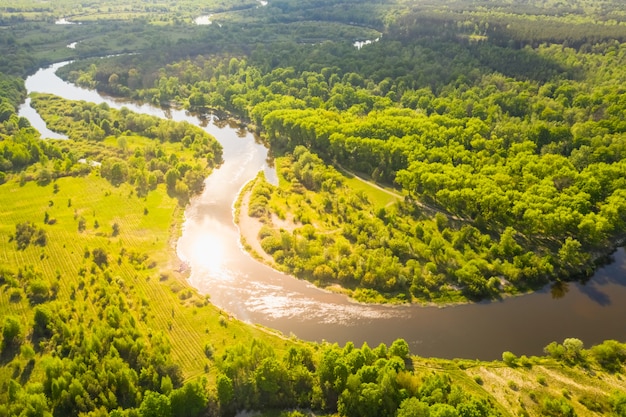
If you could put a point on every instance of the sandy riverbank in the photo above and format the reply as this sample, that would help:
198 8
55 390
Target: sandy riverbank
249 228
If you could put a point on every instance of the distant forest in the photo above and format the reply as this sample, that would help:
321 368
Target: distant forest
498 128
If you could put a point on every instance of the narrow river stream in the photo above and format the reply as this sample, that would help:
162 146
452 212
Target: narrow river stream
256 293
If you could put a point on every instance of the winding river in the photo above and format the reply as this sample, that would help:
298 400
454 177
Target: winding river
253 292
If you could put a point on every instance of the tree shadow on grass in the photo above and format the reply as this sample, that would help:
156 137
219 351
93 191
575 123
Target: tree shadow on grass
9 352
26 373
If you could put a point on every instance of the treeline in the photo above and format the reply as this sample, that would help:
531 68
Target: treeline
513 28
383 382
93 357
521 168
13 93
351 381
19 142
24 155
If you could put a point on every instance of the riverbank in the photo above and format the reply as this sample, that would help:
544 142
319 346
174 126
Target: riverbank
249 228
249 290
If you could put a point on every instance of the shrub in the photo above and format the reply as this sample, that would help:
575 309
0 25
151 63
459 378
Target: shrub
42 320
399 348
27 233
11 331
271 244
38 291
595 403
610 355
100 257
557 407
509 358
208 350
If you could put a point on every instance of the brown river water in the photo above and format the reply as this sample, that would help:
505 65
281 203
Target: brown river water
253 292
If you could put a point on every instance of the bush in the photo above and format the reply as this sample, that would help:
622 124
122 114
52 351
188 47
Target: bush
5 274
11 331
610 355
509 358
271 244
82 224
412 407
15 295
399 348
42 320
595 403
573 350
208 350
100 257
27 233
38 291
556 407
618 403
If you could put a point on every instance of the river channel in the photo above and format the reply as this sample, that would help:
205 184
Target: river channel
253 292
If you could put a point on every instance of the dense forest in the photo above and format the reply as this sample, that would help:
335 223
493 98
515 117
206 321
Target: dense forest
498 128
519 150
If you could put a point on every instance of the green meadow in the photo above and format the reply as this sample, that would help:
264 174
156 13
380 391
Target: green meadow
161 298
378 195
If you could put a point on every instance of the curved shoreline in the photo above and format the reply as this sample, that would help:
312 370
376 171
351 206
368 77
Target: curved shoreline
250 290
249 227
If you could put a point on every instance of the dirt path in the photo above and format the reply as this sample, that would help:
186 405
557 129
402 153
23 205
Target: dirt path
370 183
401 196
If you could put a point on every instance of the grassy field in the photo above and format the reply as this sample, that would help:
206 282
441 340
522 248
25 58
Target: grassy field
159 291
529 386
379 196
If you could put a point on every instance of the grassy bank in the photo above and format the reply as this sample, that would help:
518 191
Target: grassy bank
158 292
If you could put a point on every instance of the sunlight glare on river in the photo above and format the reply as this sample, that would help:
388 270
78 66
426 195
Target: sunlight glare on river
210 248
208 252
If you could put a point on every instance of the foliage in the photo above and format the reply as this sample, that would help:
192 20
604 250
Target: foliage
571 351
91 341
176 153
27 233
556 407
11 331
522 159
353 381
501 123
509 358
610 354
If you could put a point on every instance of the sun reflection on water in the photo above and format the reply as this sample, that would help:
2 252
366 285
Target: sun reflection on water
207 253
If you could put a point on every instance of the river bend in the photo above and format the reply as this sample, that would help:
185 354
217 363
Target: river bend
253 292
